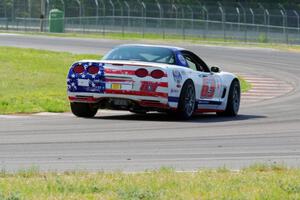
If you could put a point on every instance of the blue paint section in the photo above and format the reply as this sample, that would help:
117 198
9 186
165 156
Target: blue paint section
173 99
180 60
96 81
206 102
203 102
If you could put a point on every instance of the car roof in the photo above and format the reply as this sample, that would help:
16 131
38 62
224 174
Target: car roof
173 48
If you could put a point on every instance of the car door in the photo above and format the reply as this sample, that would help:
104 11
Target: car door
209 87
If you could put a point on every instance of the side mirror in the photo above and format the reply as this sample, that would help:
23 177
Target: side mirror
215 69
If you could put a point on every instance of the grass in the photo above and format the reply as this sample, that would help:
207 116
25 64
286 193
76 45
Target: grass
265 182
174 38
245 86
35 80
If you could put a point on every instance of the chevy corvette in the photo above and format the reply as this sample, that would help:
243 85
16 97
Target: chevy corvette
143 78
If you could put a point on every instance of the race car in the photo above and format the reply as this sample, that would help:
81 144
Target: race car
142 78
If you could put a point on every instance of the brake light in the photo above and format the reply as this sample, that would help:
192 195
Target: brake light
157 74
78 69
141 72
93 70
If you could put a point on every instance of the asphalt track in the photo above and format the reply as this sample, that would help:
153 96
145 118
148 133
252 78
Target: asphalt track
266 131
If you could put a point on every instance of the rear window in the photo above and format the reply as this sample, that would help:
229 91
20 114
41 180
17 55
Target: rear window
142 53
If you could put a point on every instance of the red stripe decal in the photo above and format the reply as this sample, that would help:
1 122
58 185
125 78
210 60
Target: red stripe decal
117 80
137 93
153 104
125 72
84 99
119 71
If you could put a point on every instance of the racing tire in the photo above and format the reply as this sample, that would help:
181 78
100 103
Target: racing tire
187 101
233 102
86 110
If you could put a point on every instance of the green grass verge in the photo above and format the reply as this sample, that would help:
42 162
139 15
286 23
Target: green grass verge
245 86
255 182
172 38
35 80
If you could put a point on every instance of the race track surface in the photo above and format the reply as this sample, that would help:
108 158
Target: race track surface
265 131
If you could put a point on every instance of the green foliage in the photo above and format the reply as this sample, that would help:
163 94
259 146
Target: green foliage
250 183
262 38
34 80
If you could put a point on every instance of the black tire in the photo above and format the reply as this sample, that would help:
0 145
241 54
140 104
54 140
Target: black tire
86 110
187 101
233 102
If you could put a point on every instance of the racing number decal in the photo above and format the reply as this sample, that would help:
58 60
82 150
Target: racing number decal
208 87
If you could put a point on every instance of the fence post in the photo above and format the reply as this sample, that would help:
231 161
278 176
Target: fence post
113 11
97 12
297 15
239 17
206 21
223 19
192 12
103 16
161 18
42 16
183 23
268 23
253 16
176 16
128 12
245 19
122 19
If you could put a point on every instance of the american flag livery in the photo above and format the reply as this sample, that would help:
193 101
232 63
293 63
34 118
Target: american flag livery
164 82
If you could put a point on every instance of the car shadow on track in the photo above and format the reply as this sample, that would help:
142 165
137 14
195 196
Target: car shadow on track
161 117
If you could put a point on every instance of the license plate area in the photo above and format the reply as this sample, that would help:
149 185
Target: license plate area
120 102
119 86
116 86
83 82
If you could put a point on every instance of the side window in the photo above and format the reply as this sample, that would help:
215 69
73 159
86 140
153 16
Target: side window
192 65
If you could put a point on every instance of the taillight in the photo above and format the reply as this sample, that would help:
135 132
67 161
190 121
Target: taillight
141 72
93 70
157 74
78 69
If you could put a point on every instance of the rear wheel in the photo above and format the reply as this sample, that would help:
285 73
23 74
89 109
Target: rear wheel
86 110
233 102
187 100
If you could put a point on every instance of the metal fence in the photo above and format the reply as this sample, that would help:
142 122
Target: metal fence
206 19
165 28
239 12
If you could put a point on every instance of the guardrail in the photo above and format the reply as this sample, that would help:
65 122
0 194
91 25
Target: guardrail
165 27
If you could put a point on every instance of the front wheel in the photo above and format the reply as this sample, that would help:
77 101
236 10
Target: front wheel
233 101
86 110
187 101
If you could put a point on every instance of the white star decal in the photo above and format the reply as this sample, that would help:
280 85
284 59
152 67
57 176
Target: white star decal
73 75
83 76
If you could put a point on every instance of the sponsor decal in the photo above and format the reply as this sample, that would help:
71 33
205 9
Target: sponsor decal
177 77
181 59
208 88
174 91
148 86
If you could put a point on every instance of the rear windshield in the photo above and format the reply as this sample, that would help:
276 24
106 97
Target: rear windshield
142 53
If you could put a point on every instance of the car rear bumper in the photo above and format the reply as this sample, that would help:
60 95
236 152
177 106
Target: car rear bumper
134 99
